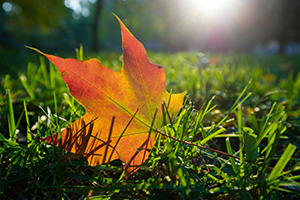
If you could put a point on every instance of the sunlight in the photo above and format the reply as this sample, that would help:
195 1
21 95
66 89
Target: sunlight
213 20
212 11
216 8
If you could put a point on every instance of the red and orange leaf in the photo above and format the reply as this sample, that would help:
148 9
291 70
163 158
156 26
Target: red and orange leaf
120 106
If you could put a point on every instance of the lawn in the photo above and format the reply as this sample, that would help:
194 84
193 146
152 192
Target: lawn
236 136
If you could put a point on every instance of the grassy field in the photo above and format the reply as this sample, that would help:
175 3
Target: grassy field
236 136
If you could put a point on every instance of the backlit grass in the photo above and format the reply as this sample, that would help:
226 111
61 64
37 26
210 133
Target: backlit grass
236 136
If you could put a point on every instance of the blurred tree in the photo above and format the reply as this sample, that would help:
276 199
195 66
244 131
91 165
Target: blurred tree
276 20
288 24
142 17
44 14
95 26
22 18
168 14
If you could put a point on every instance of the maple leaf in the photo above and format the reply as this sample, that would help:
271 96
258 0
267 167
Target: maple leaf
120 107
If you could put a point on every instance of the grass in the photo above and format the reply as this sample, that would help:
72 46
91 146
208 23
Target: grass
236 136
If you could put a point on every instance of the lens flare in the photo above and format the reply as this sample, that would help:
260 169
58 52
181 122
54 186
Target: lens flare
216 9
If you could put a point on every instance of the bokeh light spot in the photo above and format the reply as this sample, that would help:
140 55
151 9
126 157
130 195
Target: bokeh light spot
7 7
76 15
73 4
85 12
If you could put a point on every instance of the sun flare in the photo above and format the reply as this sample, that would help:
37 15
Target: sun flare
214 20
216 8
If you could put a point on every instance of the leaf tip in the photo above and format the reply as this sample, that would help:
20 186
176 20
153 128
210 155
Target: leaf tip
118 18
35 49
124 29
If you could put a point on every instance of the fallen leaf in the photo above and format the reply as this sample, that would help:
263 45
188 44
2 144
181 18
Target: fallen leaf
119 106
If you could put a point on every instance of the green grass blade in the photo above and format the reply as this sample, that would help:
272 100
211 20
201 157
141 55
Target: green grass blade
52 75
232 160
71 104
29 89
29 136
10 117
182 180
43 68
211 136
241 143
79 53
236 104
266 122
280 165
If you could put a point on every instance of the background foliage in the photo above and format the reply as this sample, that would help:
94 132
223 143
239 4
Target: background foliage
60 25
